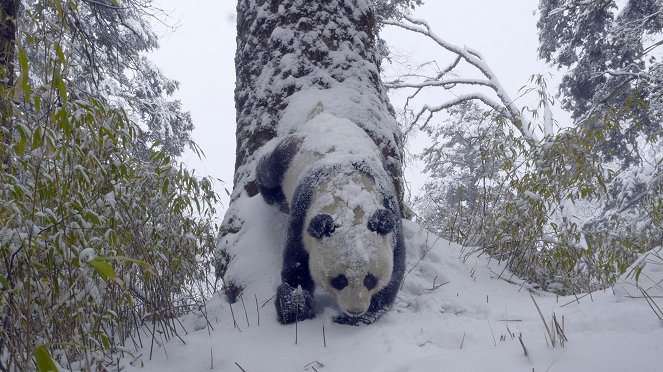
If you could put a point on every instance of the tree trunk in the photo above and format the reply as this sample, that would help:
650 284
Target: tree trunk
325 47
8 12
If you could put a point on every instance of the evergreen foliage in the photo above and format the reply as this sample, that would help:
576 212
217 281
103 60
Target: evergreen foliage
610 56
105 41
103 239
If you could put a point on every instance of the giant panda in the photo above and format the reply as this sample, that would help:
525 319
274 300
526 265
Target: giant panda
344 229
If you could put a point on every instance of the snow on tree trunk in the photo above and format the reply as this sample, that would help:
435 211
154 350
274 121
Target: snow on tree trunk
323 55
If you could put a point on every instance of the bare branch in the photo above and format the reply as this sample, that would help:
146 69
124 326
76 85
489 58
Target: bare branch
460 99
475 59
446 84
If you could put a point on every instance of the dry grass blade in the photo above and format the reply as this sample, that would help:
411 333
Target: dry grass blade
652 304
246 314
233 315
550 334
491 332
257 308
520 338
559 330
324 338
313 364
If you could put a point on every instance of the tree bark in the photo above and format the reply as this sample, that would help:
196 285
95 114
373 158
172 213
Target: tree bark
290 46
8 13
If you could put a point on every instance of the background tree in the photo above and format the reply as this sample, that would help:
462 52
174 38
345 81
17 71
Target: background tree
463 177
106 41
613 67
614 86
575 207
285 47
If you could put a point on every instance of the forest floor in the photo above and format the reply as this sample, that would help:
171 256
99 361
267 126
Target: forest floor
455 312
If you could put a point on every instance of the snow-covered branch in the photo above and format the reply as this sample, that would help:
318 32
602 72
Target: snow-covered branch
431 110
474 58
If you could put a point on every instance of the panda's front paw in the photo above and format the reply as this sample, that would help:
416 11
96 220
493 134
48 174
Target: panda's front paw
369 317
293 304
352 320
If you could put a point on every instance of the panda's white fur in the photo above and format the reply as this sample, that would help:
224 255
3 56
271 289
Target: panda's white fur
315 170
352 250
350 198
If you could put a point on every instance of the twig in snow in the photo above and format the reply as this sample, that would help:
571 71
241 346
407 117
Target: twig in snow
324 338
257 309
296 318
552 338
652 304
204 313
281 307
240 367
267 301
650 296
420 259
520 338
491 332
436 286
506 323
577 300
233 315
245 313
154 325
462 341
559 330
211 358
313 364
555 361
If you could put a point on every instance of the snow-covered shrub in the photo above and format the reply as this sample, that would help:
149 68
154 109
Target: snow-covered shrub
556 211
463 178
99 234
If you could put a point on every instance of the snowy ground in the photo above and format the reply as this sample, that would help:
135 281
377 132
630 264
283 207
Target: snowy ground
451 315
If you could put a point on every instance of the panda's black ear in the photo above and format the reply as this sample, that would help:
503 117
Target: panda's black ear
382 222
321 225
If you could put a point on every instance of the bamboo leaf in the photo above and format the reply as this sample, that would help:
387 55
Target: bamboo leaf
60 54
23 63
103 268
164 187
104 341
140 263
36 138
44 361
4 282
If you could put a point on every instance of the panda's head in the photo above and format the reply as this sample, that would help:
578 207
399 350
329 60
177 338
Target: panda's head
353 261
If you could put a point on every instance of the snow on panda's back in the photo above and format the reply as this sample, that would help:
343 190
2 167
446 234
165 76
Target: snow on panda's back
328 139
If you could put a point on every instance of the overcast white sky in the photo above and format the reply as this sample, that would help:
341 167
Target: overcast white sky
199 54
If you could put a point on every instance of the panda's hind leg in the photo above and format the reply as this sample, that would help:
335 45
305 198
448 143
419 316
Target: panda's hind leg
272 168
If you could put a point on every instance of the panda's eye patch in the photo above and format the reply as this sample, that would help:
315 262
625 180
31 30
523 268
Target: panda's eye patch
321 225
382 222
370 281
339 282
